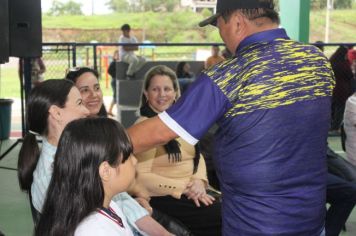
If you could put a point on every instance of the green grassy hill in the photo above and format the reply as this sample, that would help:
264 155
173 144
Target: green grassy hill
342 26
182 26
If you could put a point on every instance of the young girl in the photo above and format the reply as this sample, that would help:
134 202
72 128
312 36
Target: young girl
93 163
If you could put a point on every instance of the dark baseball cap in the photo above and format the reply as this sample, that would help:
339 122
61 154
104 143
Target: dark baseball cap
224 5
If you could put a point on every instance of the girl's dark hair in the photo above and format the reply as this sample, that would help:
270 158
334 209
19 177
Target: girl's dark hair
74 73
41 98
159 70
76 188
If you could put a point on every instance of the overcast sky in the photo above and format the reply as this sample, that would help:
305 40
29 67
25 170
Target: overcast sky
99 6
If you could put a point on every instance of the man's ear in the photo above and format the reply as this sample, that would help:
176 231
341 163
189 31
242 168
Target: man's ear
239 21
55 112
104 171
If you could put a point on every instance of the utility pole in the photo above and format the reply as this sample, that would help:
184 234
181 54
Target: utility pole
329 7
92 7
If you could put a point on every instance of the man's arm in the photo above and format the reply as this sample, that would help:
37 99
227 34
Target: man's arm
150 133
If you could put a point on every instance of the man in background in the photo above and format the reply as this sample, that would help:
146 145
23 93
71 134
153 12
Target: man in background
127 52
215 57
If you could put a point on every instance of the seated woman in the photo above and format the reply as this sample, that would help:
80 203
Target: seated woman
51 106
184 75
174 174
92 164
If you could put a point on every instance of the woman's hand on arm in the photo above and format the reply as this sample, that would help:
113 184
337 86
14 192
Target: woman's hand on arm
196 190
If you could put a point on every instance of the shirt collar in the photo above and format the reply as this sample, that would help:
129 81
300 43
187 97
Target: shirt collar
264 36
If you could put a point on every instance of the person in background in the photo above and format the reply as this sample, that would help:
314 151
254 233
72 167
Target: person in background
185 76
183 70
226 54
350 129
51 106
174 174
127 52
215 57
112 73
343 87
351 56
272 122
38 68
93 163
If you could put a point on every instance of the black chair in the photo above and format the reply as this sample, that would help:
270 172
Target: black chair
171 224
343 137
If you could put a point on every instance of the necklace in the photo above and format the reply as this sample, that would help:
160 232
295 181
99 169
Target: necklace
110 213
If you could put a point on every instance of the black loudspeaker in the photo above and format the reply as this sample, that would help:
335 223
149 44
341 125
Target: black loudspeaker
4 31
25 28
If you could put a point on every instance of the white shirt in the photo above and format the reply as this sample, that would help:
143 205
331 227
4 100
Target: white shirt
97 224
123 39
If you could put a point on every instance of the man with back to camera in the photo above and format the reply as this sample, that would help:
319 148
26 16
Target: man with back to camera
127 52
271 102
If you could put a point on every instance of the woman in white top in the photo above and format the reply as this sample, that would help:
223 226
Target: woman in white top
92 164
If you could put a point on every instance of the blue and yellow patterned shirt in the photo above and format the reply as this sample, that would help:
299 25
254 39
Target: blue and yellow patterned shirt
272 104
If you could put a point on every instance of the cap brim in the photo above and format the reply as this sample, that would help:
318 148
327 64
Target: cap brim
209 21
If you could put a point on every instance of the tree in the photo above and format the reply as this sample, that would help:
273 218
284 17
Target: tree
118 5
342 4
69 8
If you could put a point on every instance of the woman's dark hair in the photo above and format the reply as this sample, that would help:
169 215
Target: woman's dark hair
41 98
180 69
76 188
74 73
159 70
340 55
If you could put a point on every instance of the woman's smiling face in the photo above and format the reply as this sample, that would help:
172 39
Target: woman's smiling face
90 90
160 93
